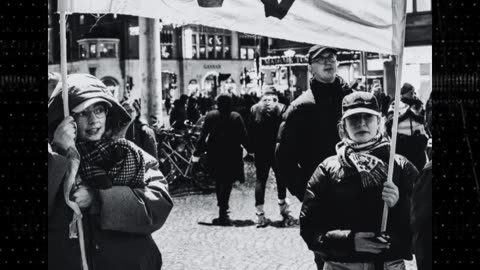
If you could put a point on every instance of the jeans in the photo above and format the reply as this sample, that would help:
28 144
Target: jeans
263 166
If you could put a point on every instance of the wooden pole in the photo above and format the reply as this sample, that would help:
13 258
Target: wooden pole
63 56
66 110
400 10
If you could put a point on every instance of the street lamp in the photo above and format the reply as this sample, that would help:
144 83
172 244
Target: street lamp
289 53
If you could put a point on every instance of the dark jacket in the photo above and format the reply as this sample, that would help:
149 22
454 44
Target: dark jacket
143 136
221 137
308 133
421 213
335 200
263 130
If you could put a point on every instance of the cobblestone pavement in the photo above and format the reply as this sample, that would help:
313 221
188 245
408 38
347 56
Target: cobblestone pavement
189 241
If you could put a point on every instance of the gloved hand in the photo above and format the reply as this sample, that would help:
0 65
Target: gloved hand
366 242
65 134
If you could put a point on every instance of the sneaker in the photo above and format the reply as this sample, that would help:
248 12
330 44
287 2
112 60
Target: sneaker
262 221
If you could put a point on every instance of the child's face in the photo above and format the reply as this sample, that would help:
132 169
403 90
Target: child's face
91 122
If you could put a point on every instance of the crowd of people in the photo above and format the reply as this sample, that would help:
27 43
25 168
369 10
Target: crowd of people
329 148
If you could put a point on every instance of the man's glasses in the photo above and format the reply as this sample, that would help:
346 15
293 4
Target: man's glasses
325 60
99 112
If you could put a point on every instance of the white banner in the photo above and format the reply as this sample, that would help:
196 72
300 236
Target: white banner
365 25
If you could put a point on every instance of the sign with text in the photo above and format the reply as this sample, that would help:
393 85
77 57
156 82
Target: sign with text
367 25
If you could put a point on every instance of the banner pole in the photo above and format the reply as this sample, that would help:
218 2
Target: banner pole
66 111
63 55
399 9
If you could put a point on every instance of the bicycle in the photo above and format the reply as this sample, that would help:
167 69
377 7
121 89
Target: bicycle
175 150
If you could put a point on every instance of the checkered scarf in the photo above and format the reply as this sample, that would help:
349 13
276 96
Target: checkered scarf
107 163
370 159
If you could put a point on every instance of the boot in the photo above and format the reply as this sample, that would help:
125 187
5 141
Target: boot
284 206
223 219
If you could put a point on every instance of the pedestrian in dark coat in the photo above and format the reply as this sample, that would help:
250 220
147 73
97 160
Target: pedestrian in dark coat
139 132
265 119
412 132
308 133
178 115
343 206
222 137
117 220
421 212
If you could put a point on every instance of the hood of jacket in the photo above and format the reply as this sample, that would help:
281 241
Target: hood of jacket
82 87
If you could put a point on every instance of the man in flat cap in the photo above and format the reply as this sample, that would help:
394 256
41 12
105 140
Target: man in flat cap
308 133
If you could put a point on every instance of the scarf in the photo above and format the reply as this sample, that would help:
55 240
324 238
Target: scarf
107 163
369 159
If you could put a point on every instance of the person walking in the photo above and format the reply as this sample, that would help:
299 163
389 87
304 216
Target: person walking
222 137
266 116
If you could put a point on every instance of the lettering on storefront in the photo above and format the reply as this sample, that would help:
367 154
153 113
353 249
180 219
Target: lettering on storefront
283 60
212 66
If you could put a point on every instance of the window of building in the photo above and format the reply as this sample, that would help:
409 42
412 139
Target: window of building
203 48
210 43
92 50
226 47
83 51
81 20
218 46
194 46
248 44
107 50
166 42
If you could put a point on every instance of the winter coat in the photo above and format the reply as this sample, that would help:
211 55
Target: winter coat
308 133
222 137
421 213
119 223
336 200
263 130
143 136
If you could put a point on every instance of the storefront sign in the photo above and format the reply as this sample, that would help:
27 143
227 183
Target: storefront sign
212 66
283 60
